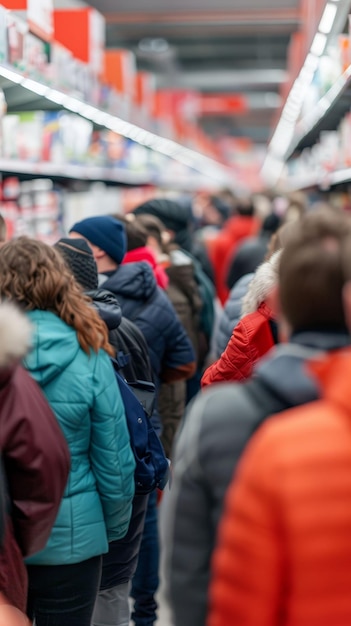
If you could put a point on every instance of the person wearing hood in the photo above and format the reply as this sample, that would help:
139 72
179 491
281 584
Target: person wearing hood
35 459
222 419
119 564
255 334
171 355
70 362
184 294
177 219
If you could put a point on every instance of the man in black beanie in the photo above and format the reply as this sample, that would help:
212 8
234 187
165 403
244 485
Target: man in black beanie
80 259
119 565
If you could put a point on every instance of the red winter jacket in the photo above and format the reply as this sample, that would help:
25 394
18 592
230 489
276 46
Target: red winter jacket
252 338
221 248
35 457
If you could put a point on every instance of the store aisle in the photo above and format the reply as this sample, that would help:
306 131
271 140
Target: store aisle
164 616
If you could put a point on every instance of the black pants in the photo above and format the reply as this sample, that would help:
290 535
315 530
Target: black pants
63 595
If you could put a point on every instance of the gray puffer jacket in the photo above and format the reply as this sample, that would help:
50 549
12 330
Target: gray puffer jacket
217 427
231 314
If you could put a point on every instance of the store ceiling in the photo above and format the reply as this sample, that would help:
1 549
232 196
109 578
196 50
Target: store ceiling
227 46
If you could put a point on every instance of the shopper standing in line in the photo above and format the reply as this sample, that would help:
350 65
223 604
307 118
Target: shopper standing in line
171 355
222 419
119 564
69 360
34 459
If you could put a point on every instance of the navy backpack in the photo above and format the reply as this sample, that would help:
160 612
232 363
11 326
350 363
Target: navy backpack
152 466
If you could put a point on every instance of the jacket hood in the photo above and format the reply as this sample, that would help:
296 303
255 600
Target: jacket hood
107 306
55 346
333 375
147 255
261 285
285 371
15 335
134 281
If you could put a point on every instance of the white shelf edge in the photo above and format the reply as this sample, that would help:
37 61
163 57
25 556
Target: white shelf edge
310 121
191 158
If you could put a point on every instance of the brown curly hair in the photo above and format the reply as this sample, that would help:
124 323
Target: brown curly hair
35 276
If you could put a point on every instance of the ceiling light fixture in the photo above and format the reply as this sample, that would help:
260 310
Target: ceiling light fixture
328 17
318 44
283 136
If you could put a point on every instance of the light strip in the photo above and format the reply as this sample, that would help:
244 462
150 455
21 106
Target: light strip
328 17
203 164
282 142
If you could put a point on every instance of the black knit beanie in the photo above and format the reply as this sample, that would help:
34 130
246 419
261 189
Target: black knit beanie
80 260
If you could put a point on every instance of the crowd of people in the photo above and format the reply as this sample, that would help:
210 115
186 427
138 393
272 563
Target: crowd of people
239 320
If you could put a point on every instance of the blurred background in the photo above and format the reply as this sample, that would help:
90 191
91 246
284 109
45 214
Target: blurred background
107 103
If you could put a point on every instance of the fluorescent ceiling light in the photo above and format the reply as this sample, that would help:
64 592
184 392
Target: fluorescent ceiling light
328 17
318 44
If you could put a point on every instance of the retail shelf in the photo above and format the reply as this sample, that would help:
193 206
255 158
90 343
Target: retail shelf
116 176
74 172
24 92
323 180
325 115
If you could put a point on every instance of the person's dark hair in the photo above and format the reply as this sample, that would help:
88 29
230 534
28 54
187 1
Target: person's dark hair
281 237
35 276
246 209
311 273
136 233
155 228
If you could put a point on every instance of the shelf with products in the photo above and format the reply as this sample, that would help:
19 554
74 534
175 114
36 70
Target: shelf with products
25 94
319 95
324 115
38 75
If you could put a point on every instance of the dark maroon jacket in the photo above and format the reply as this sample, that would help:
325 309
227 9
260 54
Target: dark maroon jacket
34 454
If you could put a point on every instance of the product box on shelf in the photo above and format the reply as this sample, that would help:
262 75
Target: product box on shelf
38 14
16 32
23 136
35 57
3 35
82 31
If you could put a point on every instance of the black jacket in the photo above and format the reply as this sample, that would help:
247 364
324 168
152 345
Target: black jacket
119 564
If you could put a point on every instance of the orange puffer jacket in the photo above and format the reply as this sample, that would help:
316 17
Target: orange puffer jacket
252 338
284 551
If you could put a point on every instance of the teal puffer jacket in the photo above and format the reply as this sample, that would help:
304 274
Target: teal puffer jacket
84 396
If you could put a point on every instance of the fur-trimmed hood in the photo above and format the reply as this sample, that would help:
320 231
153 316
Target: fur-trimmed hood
262 283
15 335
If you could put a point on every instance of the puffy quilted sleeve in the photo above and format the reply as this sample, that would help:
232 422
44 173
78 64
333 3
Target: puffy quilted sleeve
36 461
112 459
231 314
248 564
237 360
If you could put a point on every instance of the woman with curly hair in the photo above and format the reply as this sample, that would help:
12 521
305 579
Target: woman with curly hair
70 362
